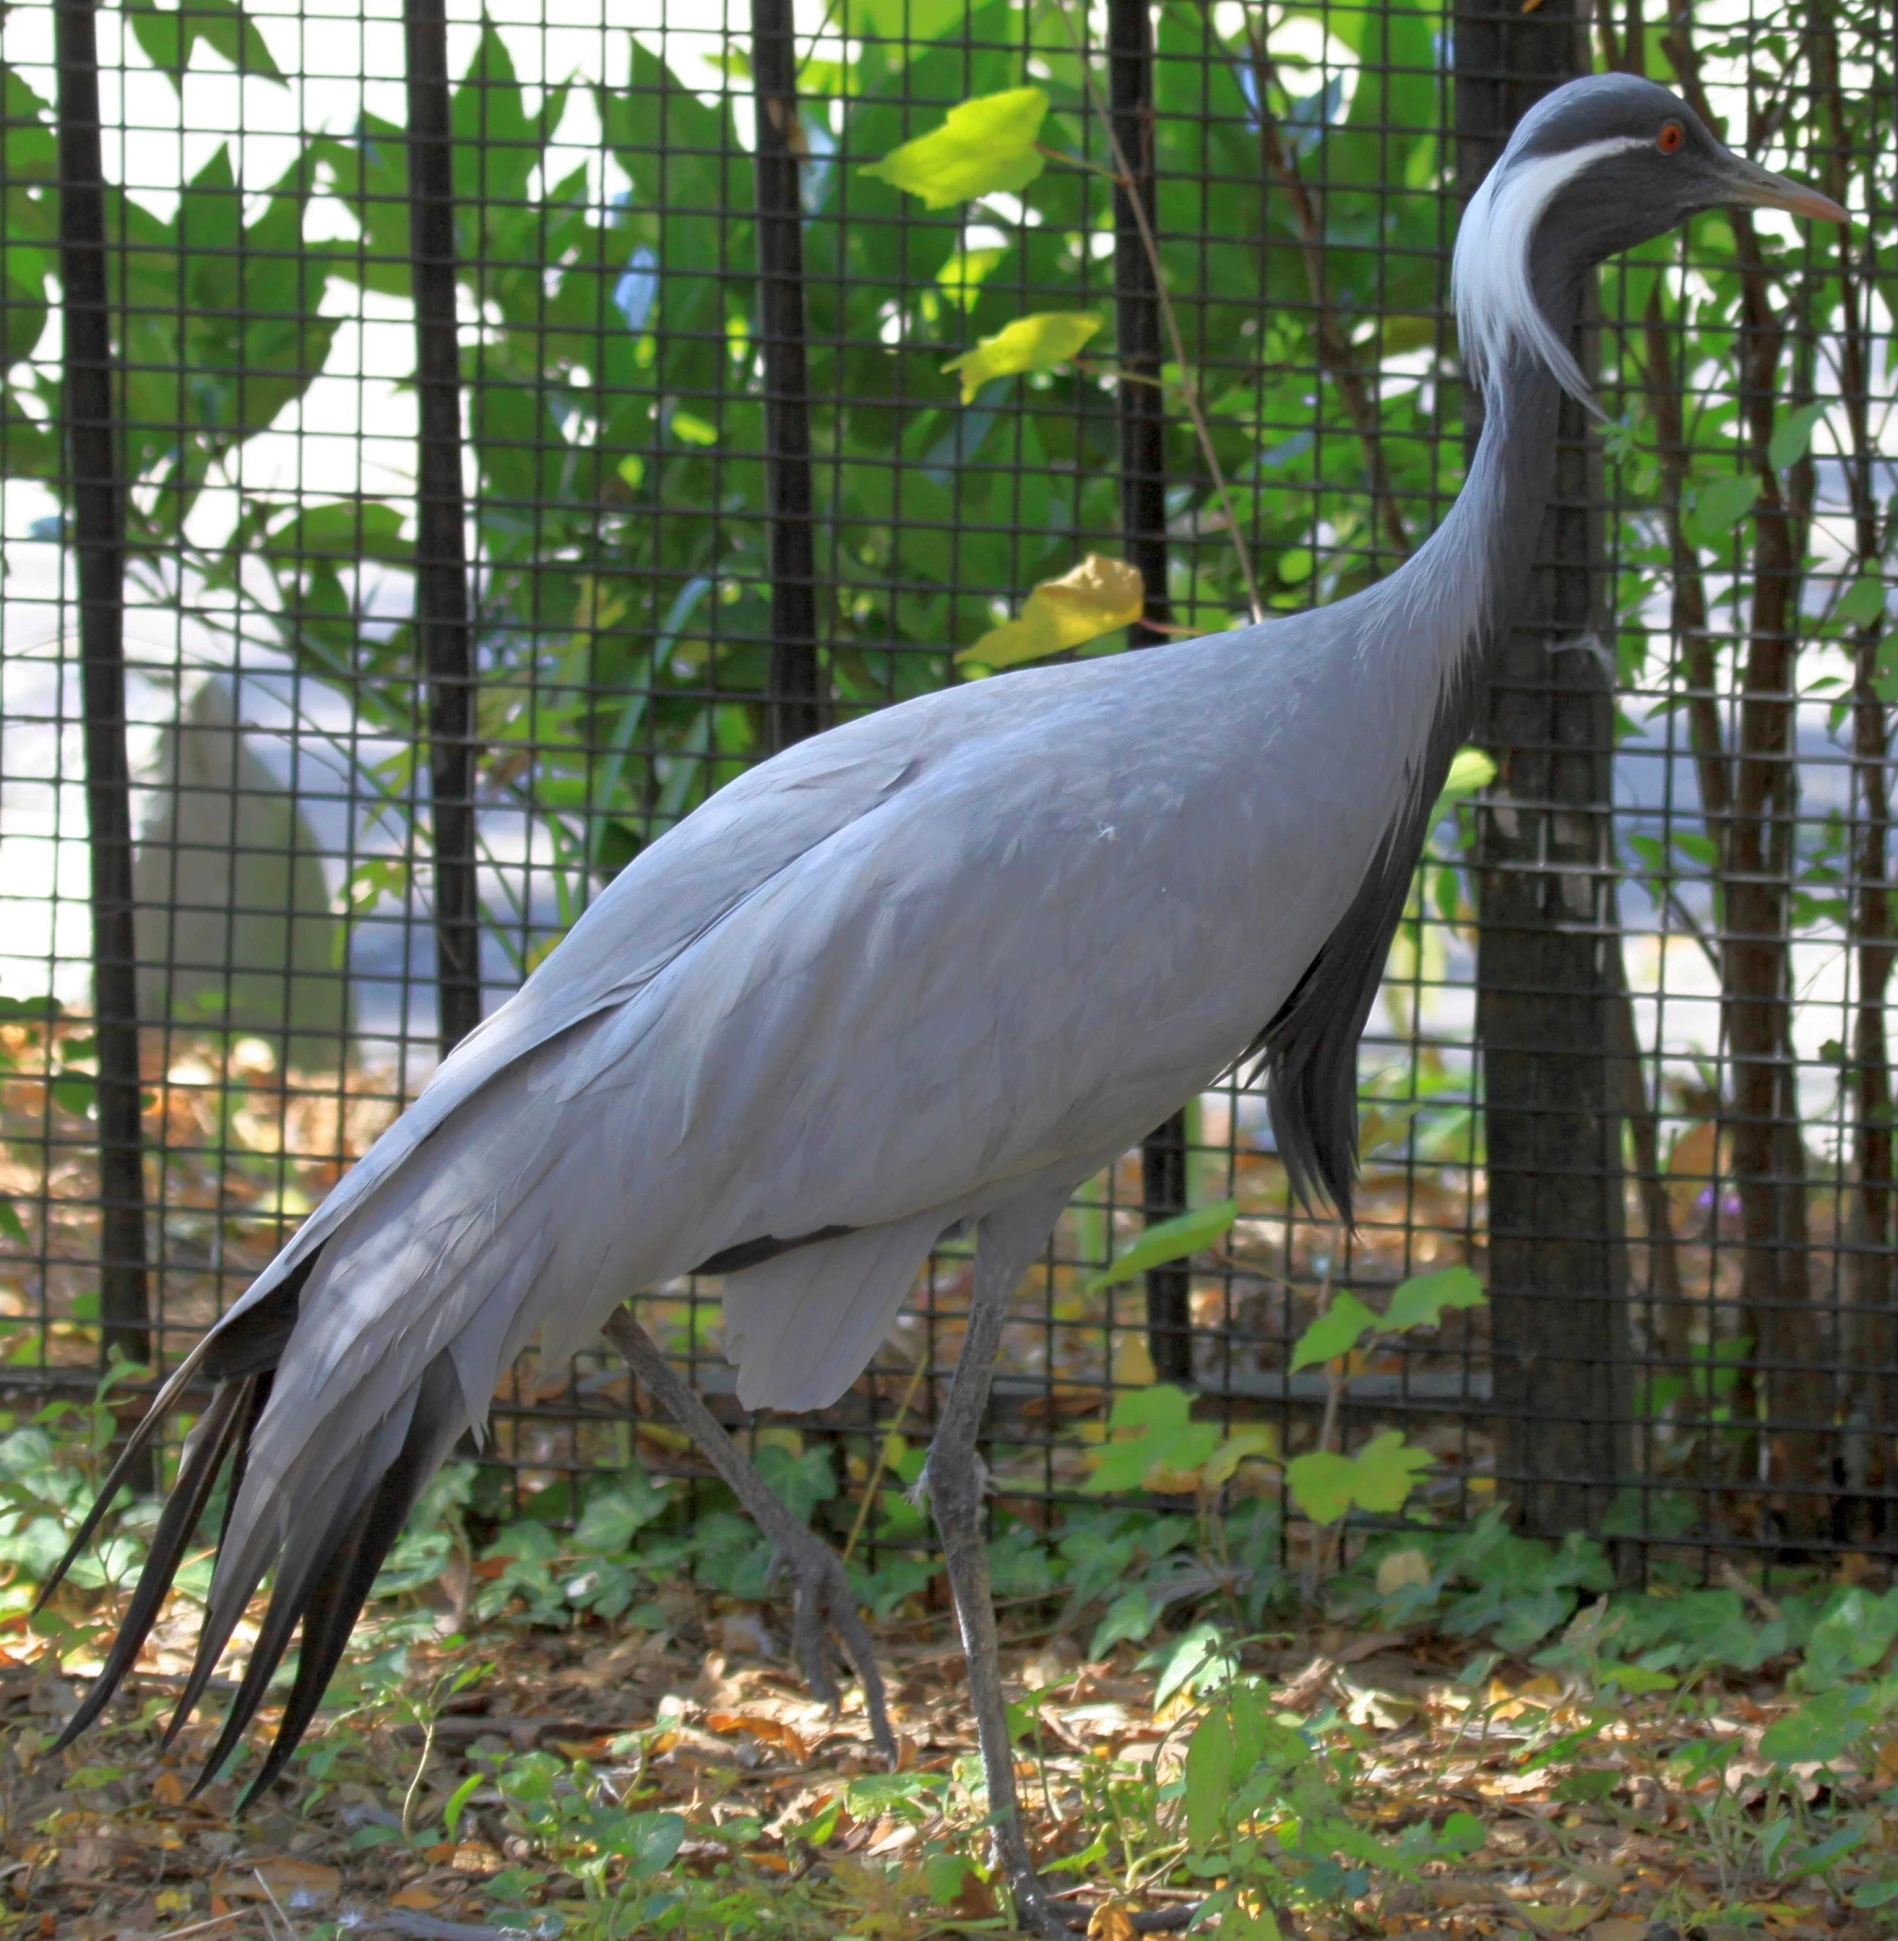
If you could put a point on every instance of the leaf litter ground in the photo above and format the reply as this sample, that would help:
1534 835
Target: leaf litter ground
612 1781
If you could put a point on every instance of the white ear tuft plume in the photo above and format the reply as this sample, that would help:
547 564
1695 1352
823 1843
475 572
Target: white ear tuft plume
1496 304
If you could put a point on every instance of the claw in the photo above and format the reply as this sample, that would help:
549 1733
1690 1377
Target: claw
822 1602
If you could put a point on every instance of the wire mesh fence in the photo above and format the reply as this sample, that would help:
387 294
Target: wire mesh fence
439 450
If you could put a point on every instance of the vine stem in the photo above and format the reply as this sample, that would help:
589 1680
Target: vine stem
879 1465
1189 391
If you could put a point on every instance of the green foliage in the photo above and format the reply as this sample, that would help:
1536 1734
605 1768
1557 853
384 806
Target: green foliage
1186 1233
168 36
1379 1478
1036 343
983 145
1267 1806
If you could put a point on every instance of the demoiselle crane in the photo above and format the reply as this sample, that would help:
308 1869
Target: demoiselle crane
932 969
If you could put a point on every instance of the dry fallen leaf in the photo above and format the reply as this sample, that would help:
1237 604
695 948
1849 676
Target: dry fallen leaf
1553 1919
418 1898
169 1788
1111 1921
296 1883
1618 1930
774 1732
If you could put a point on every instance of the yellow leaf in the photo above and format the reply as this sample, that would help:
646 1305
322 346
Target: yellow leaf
418 1898
1552 1919
1096 597
1111 1922
983 145
1240 1446
1028 344
960 278
1401 1568
1133 1362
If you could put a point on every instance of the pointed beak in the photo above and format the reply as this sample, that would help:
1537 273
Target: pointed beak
1748 186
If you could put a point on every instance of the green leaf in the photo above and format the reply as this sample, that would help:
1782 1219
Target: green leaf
169 37
904 22
1336 1332
1420 1301
1792 435
1863 601
1820 1732
1130 1616
1036 343
352 529
1885 672
459 1798
1636 1679
1463 1833
945 1875
1321 1484
648 1841
1090 600
1386 1472
800 1480
1167 1439
962 275
1718 507
11 1225
1185 1233
1212 1765
984 145
1470 770
1816 1859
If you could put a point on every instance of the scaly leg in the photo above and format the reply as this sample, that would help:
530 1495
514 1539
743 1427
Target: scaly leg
822 1590
1005 1243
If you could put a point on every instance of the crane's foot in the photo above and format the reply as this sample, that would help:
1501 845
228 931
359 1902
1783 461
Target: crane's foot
822 1606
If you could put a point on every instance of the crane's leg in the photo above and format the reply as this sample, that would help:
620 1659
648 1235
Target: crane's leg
821 1589
1005 1244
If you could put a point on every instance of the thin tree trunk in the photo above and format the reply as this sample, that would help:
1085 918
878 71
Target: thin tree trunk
443 633
1550 990
1335 356
1872 1399
796 694
1769 1155
96 496
1140 355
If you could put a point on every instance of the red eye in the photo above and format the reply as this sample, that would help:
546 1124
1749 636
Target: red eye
1671 136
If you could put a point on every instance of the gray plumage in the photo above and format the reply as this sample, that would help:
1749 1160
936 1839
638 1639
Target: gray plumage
935 967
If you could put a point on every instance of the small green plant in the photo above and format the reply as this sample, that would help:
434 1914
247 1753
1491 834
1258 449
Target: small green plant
1325 1484
1265 1805
578 1821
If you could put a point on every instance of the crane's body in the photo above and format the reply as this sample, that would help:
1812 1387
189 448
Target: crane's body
931 969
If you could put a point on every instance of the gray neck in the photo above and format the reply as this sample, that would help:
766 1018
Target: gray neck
1471 575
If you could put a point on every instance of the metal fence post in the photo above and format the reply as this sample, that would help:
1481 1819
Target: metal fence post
96 509
1549 980
1139 355
795 694
444 637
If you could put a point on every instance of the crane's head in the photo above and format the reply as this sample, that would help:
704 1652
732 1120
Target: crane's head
1594 167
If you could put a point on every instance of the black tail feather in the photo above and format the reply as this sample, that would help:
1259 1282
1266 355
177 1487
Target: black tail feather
322 1584
327 1582
230 1598
298 1580
136 1445
344 1586
249 1345
240 1457
205 1451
